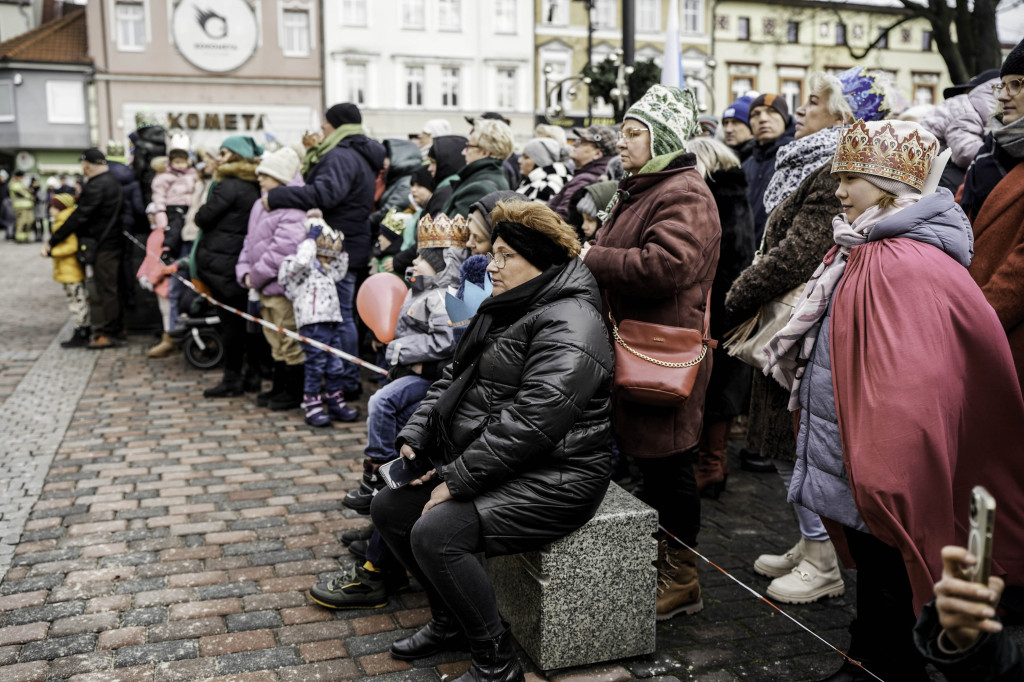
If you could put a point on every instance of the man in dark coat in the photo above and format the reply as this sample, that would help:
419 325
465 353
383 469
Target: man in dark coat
133 218
594 148
736 129
341 174
772 124
98 217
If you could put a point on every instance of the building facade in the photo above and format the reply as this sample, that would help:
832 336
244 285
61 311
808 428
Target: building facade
44 76
405 62
562 28
772 48
207 68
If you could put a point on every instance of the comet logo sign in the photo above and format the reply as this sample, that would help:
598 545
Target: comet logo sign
215 35
214 25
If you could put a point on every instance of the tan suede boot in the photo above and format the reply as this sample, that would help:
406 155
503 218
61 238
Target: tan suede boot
164 348
815 577
678 585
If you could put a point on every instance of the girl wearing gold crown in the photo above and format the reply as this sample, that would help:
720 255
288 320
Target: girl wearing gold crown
905 389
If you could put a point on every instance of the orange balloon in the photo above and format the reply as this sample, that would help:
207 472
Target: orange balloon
379 303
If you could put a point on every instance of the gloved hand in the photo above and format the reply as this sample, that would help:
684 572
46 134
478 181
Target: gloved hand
145 283
314 227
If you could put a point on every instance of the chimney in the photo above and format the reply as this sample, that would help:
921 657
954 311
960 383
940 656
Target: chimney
52 9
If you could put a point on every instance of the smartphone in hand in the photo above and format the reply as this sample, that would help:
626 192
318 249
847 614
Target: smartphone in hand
979 537
402 471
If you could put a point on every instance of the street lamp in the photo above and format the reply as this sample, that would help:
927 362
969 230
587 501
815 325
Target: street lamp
556 110
620 93
707 81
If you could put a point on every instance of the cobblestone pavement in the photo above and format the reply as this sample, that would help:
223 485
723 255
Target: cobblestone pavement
174 538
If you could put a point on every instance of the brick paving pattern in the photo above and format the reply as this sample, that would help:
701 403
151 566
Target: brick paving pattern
173 538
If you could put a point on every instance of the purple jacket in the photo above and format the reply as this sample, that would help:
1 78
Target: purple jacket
587 175
272 237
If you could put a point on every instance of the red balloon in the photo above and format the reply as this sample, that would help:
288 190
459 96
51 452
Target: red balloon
379 303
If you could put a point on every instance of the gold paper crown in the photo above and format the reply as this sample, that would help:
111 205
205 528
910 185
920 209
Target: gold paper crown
393 222
888 149
441 232
330 243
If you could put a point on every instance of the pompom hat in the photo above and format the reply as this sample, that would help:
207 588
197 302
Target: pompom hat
670 114
281 165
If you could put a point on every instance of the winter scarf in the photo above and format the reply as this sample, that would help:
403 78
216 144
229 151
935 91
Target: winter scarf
495 313
798 159
319 150
1011 138
791 348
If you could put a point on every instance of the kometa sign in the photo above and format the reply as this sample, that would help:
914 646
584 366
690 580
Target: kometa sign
215 35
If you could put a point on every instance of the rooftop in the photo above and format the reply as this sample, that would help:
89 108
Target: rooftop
60 41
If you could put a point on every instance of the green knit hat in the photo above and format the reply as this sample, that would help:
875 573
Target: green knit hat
670 114
243 145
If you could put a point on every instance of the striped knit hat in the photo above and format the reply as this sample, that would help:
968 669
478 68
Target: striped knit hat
670 114
62 201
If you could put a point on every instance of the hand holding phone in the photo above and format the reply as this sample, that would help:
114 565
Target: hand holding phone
403 471
979 537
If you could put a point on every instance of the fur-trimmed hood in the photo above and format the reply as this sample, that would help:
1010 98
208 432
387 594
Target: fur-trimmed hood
243 170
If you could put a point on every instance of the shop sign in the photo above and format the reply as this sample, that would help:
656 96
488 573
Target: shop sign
215 35
214 121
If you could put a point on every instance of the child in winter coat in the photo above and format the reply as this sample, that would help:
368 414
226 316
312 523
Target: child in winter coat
68 272
153 274
172 195
309 279
273 236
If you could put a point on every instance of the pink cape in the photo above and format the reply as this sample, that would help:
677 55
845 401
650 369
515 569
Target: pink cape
152 267
929 406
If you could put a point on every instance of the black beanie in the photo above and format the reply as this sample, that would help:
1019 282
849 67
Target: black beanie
435 257
776 102
532 245
422 177
340 114
1014 64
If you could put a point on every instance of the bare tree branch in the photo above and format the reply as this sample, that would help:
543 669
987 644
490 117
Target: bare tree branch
881 36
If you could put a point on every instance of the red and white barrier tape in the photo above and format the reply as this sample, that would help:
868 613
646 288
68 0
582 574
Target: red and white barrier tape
761 597
260 321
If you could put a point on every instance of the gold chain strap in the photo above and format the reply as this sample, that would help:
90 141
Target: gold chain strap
660 363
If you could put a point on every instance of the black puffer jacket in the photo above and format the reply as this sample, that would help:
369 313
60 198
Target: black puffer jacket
224 219
540 466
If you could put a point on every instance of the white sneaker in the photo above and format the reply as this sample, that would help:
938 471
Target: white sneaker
778 565
815 577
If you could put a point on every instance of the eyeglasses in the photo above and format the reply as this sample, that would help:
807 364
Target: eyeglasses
631 133
472 146
1012 87
500 258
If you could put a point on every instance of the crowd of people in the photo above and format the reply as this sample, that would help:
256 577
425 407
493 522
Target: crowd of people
892 388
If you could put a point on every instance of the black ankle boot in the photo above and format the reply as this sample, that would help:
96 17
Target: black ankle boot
277 385
230 385
442 633
494 660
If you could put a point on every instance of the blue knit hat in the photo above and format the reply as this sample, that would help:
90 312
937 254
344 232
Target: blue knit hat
243 145
739 110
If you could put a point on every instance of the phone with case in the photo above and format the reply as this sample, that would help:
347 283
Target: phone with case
979 538
402 471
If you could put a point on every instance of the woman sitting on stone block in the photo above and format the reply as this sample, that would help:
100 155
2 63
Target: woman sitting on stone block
517 433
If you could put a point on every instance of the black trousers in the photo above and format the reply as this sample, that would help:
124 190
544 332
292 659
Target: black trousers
670 486
239 345
882 633
438 548
106 276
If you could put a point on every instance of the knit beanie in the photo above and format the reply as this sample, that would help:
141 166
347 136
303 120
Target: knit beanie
62 201
340 114
739 110
532 245
436 127
775 102
1013 65
543 151
435 257
489 201
670 114
281 165
244 146
422 177
587 206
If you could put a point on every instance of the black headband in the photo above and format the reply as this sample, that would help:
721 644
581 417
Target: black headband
532 245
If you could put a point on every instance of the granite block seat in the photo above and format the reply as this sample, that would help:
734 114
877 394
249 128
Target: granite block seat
589 597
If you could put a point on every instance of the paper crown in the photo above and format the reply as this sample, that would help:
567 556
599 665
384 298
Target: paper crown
461 311
393 222
330 243
889 149
441 232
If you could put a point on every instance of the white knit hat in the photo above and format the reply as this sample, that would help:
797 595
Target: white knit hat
281 165
437 127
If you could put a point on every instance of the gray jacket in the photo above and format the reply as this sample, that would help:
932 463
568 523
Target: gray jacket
820 480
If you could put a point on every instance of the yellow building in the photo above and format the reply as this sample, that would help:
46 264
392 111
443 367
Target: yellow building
771 47
561 45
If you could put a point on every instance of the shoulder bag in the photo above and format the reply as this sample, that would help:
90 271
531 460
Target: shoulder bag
657 364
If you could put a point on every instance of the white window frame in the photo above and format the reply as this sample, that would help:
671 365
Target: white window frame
505 17
648 16
412 5
293 7
55 97
407 81
605 14
8 85
560 15
143 8
451 86
350 82
510 87
449 15
692 19
355 13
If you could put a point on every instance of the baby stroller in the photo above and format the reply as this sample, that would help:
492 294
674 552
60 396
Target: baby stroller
201 333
